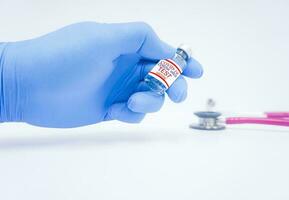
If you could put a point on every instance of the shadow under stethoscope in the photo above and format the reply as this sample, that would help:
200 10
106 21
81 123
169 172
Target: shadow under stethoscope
259 129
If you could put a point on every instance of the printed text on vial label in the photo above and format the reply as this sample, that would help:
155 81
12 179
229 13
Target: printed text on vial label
166 71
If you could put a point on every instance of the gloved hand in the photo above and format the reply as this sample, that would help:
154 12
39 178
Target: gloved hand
83 74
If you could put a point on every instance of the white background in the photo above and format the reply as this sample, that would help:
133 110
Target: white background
244 48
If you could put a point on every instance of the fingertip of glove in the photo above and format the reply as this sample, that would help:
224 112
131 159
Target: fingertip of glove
138 118
200 73
132 104
179 97
194 69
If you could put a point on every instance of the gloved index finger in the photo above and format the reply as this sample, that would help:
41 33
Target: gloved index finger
140 38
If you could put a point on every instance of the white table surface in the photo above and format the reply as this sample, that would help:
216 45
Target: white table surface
242 162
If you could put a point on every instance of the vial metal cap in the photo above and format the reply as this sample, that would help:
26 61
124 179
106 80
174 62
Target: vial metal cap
186 48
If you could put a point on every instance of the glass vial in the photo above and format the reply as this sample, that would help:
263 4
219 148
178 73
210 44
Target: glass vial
162 76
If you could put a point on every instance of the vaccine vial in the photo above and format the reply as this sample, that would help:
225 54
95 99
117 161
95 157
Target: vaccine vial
162 76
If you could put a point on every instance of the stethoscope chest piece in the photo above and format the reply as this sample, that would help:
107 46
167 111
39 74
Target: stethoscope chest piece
208 120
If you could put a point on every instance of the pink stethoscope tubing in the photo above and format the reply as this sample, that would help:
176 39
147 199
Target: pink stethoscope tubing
277 115
271 118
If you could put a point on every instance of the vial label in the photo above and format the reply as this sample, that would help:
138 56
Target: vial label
166 71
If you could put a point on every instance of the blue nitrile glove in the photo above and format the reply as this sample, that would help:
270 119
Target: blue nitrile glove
83 74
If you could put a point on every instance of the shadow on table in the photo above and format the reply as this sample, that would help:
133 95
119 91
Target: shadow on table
112 138
72 140
85 140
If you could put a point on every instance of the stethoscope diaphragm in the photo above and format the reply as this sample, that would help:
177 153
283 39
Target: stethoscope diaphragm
208 120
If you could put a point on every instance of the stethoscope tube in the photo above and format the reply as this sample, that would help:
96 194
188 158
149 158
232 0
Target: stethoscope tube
253 120
277 115
209 120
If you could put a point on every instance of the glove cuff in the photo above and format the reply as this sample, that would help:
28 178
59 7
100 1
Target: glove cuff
2 47
9 101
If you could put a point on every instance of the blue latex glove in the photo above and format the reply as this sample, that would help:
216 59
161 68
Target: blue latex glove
83 74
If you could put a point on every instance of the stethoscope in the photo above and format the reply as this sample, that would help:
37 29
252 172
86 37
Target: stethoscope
211 120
